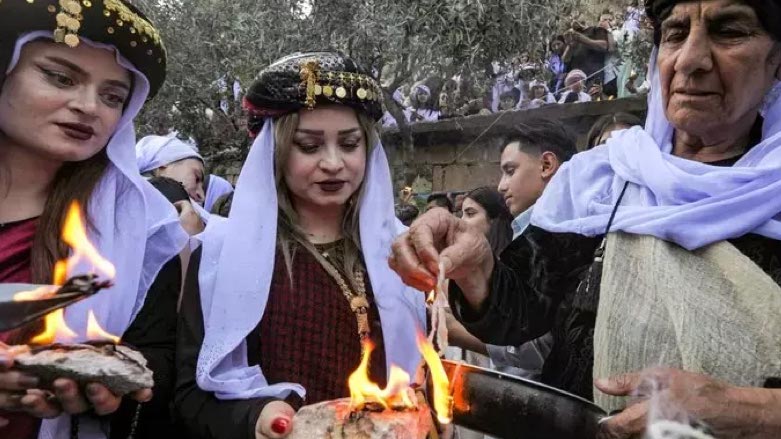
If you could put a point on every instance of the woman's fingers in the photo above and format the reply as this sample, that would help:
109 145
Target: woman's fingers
103 401
275 421
70 397
620 385
41 404
16 381
11 401
404 260
628 424
143 395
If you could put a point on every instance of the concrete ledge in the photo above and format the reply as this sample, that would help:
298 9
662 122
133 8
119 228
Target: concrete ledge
424 133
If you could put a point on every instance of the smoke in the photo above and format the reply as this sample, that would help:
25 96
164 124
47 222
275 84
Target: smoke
666 418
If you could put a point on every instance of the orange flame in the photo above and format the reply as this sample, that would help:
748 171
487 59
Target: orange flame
95 332
362 390
441 383
75 235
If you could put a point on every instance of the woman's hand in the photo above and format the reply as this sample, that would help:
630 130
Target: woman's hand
728 411
67 397
275 421
21 392
189 218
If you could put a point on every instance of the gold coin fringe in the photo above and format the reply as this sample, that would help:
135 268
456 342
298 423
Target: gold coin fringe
68 23
315 82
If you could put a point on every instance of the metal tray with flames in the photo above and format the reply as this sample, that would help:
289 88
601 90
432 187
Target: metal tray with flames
510 407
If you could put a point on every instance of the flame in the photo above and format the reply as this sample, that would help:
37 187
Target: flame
75 235
441 383
95 332
362 390
55 327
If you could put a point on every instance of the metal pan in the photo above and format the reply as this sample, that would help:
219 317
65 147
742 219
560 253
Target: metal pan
510 407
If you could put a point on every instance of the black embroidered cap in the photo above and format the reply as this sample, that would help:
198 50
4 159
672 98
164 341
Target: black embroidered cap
768 12
304 80
112 22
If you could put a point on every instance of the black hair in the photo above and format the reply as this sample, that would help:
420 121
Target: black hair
572 97
554 39
500 232
406 213
441 200
768 12
540 135
513 94
173 190
608 121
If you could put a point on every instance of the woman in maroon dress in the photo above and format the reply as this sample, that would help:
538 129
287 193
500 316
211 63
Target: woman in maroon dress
73 75
282 294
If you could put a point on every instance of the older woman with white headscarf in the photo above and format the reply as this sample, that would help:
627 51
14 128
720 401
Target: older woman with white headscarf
575 83
659 248
168 156
216 187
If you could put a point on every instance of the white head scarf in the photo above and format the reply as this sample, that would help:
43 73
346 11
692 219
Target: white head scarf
690 203
137 230
153 152
218 187
238 263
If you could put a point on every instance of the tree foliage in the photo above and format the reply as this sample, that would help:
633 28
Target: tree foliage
211 43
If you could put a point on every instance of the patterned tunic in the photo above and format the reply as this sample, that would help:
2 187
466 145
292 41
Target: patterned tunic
16 241
309 334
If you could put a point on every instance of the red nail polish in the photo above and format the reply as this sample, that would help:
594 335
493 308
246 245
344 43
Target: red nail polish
280 425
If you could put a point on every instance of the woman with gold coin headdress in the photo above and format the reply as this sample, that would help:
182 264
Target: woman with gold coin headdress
74 76
283 295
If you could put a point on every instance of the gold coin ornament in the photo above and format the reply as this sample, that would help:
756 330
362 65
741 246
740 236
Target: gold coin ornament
318 89
73 7
59 35
328 91
73 24
362 94
341 93
71 40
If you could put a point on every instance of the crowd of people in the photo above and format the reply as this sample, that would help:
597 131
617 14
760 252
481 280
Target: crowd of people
658 246
583 64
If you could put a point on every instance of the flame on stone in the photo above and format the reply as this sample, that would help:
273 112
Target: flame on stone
396 395
75 235
95 332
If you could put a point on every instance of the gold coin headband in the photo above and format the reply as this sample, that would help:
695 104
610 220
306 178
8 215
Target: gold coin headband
343 85
70 19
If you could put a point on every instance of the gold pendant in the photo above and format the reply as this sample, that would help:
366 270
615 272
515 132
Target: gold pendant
363 325
359 302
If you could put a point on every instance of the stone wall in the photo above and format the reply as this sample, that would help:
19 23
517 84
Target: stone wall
462 154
